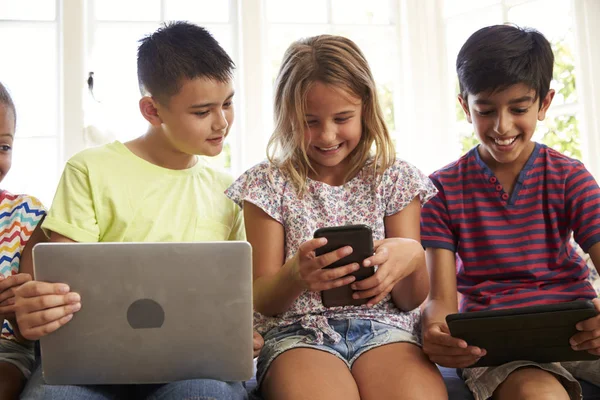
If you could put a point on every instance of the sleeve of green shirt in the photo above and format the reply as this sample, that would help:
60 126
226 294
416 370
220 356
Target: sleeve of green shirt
238 231
72 213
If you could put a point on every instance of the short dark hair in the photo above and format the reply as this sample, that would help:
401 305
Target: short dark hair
7 101
499 56
176 51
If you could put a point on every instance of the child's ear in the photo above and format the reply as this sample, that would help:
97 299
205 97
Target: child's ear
148 108
545 103
465 106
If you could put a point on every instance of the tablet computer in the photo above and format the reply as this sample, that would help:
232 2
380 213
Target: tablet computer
535 333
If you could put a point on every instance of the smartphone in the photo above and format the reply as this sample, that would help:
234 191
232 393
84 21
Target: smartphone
360 238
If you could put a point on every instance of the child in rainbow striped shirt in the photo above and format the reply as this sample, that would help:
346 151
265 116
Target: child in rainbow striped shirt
19 215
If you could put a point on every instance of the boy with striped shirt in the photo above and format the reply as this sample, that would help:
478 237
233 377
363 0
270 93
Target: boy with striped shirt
499 230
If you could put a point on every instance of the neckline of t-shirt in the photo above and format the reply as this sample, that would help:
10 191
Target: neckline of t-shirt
120 146
528 165
334 187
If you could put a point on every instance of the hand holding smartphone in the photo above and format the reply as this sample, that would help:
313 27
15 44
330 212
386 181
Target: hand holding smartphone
360 238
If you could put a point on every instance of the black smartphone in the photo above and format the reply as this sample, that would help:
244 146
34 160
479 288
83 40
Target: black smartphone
360 238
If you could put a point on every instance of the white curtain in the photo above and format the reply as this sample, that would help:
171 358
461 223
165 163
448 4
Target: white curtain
587 17
424 101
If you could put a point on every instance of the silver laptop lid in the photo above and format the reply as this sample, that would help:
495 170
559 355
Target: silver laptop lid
150 312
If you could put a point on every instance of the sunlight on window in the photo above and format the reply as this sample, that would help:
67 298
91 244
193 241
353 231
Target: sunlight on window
206 10
32 80
362 12
456 7
34 87
560 129
34 168
130 10
293 11
113 112
30 10
368 24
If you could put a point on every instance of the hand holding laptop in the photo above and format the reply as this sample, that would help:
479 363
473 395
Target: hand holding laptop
8 287
589 336
42 308
258 343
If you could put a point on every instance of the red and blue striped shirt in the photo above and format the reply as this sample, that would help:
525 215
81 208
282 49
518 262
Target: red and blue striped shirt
514 250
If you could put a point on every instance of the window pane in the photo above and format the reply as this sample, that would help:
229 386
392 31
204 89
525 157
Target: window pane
560 132
362 12
114 112
197 10
459 28
282 36
33 80
556 23
456 7
130 10
35 10
307 11
551 17
114 62
34 168
383 61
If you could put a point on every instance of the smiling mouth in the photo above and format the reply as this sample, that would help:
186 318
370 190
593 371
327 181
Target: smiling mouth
337 146
505 142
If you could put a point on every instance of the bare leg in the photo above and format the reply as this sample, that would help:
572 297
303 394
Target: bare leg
398 371
308 374
531 383
11 381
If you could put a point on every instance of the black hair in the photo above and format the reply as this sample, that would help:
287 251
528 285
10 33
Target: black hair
7 101
499 56
176 51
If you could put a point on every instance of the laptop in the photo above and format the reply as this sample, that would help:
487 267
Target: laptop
150 312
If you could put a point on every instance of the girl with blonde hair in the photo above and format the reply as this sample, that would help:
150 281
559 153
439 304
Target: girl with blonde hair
331 163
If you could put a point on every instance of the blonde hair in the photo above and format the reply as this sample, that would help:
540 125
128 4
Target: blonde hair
335 61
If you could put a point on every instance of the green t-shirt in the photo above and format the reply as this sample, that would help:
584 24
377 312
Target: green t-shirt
108 194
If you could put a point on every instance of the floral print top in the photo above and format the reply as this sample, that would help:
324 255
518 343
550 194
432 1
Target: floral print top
356 202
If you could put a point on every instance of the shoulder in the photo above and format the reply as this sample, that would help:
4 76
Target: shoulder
27 204
218 178
456 170
96 156
265 174
399 169
468 160
557 162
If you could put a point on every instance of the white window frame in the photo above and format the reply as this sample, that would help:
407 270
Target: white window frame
417 131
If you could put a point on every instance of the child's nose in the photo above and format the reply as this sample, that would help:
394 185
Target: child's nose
503 123
329 132
220 122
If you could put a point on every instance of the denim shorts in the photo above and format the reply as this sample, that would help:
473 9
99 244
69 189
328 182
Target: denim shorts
483 381
18 354
358 336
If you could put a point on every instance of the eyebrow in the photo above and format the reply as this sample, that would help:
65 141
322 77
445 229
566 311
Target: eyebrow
205 105
513 101
10 135
337 114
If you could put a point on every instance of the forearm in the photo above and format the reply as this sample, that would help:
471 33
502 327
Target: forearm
274 294
436 310
411 291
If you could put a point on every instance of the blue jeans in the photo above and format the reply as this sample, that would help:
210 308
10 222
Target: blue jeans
197 389
358 337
